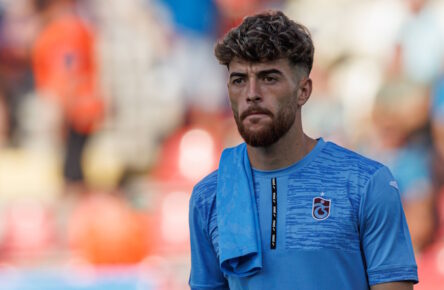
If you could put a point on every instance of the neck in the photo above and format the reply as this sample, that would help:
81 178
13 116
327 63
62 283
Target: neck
289 149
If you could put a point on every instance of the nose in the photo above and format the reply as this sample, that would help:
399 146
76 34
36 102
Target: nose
253 94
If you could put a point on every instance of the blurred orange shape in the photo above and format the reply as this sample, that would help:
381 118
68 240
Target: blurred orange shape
105 230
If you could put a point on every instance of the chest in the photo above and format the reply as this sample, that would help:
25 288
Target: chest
300 213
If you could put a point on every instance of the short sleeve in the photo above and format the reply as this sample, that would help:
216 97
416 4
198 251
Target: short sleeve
384 234
205 271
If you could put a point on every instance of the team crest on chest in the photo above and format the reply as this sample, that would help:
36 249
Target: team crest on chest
321 208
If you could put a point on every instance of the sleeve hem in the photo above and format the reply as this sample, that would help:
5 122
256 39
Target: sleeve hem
393 275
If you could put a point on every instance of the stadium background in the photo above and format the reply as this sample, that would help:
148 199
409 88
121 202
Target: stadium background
158 117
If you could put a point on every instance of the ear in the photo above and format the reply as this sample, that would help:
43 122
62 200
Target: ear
304 91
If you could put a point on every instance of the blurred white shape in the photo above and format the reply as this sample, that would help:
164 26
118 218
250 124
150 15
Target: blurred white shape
196 154
102 162
202 78
145 91
373 26
29 174
40 123
438 7
326 21
174 219
323 116
421 40
356 82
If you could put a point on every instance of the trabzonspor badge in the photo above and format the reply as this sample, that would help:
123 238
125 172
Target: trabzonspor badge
321 208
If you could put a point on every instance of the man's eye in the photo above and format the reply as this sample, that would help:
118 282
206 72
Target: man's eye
237 81
269 79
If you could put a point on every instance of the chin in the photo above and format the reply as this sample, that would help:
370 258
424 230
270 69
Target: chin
263 138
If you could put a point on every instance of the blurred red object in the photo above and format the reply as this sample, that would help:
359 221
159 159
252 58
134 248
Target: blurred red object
188 155
64 68
105 230
234 11
431 268
29 231
171 218
431 260
238 8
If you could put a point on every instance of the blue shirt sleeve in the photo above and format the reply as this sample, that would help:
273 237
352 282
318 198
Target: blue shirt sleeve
384 234
205 271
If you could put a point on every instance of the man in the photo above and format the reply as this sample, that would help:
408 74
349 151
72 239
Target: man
285 211
65 73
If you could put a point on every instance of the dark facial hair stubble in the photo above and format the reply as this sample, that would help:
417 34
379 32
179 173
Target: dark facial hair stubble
272 132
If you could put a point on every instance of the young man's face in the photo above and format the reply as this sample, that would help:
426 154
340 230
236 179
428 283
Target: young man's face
264 97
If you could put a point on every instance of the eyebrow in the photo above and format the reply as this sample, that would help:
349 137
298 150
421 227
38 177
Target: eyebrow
269 71
260 73
237 74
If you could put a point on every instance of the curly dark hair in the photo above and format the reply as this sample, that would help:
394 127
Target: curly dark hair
267 36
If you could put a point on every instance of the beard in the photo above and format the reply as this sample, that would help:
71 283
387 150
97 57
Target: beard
270 133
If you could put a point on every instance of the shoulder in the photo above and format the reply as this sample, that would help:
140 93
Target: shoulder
350 160
204 193
205 186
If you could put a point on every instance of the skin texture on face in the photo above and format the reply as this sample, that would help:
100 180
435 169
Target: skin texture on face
264 99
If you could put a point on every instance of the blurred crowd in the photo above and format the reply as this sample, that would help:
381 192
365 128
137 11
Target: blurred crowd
110 111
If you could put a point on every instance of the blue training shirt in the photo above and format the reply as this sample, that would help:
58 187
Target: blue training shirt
339 224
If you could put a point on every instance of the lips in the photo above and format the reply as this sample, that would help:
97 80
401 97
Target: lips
256 115
255 112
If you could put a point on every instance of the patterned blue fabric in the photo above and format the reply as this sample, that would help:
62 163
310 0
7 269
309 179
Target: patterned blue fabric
363 240
239 239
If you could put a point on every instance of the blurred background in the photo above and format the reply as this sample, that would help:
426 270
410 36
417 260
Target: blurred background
111 110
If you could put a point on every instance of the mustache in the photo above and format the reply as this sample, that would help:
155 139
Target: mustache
255 110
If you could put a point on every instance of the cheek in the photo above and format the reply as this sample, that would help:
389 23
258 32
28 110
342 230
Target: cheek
295 98
288 101
234 104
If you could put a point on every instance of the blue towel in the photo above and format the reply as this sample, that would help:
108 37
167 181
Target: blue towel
237 217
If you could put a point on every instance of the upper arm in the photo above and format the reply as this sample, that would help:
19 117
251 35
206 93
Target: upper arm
385 237
205 269
393 286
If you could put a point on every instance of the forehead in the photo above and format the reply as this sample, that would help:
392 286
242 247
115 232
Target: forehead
244 66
